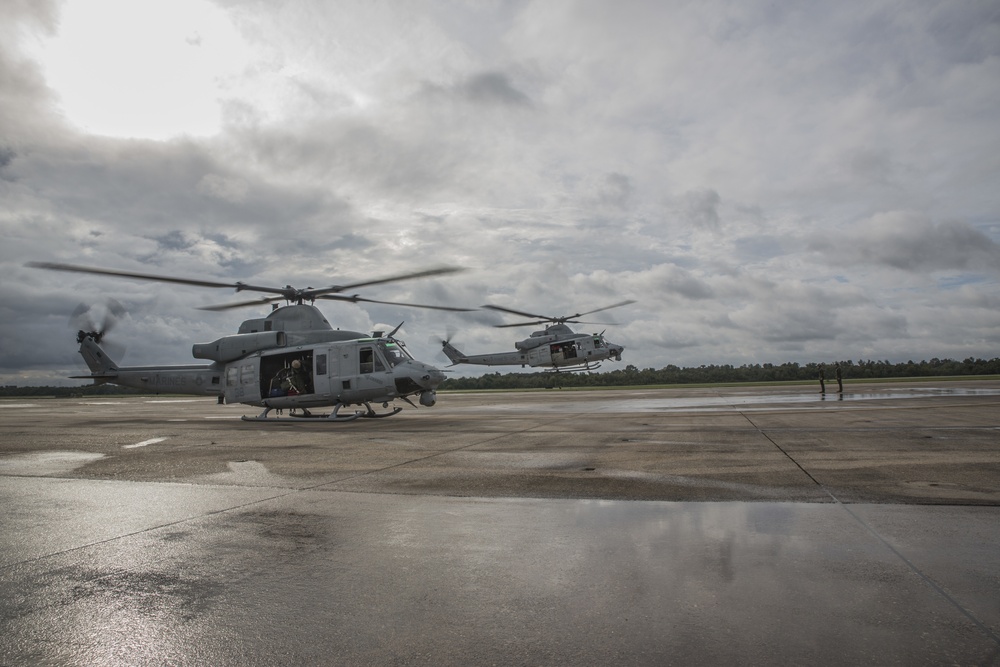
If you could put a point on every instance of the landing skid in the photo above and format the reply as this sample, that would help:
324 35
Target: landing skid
303 415
582 367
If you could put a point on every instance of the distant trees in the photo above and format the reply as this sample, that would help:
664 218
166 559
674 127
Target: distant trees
69 392
787 372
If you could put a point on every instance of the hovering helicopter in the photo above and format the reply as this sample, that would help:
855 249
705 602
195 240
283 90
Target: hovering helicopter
556 347
291 359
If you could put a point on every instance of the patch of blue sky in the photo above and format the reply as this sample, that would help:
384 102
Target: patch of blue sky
954 281
757 248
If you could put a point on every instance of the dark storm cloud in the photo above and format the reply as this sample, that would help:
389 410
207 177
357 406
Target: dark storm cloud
174 240
492 88
353 242
970 36
758 247
688 286
617 191
701 208
25 101
7 156
132 184
487 88
346 154
912 243
667 279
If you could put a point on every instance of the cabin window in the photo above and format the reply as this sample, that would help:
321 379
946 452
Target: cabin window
215 379
320 364
232 376
247 374
366 356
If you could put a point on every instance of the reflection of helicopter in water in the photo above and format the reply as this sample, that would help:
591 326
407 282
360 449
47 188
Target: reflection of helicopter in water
557 346
292 359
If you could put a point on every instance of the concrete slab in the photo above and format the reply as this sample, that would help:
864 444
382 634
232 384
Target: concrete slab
541 528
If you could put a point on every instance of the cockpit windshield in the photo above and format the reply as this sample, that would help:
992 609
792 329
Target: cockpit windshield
394 353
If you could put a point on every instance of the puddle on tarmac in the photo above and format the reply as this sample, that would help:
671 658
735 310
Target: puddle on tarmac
247 473
42 464
738 402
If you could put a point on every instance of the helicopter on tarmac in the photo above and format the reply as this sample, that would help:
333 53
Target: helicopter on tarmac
291 359
557 347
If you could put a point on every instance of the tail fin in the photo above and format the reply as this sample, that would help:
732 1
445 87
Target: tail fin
453 354
102 367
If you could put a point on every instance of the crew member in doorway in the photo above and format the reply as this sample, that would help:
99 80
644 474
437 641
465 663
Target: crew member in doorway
299 378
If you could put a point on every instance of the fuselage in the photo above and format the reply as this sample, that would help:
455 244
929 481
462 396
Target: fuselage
562 351
302 376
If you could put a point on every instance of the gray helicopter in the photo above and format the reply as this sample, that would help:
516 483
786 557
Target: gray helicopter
292 359
557 347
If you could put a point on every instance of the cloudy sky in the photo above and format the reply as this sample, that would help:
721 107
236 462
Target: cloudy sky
770 182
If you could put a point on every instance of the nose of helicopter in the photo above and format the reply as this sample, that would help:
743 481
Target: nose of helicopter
418 378
427 376
429 379
434 377
616 351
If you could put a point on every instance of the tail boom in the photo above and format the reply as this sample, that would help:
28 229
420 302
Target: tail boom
201 380
499 359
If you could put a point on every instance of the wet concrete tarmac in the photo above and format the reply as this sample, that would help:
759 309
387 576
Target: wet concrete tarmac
698 526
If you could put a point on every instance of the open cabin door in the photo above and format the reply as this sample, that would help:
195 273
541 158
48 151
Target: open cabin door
287 374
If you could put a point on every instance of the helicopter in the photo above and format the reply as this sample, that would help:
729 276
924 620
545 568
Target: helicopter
557 347
292 359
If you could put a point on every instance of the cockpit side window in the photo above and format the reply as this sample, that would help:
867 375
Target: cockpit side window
395 354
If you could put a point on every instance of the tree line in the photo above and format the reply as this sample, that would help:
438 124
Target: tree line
69 392
726 373
631 375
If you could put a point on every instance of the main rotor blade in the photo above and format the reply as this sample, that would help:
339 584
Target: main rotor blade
437 271
54 266
517 312
243 304
287 293
522 324
545 318
357 299
614 305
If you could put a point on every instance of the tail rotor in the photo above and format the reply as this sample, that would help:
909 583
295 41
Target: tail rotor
84 320
454 355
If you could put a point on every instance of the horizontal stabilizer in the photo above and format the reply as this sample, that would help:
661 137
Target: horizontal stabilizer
98 379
